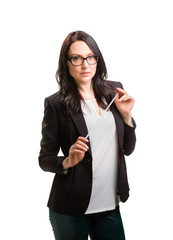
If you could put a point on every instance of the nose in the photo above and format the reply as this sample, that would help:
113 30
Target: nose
85 63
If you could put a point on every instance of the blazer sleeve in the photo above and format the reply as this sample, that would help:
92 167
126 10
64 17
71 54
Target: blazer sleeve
50 142
129 136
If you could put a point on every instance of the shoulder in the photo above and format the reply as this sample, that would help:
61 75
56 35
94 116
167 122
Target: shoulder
53 99
114 84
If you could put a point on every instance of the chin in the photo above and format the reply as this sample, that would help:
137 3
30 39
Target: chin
87 79
84 79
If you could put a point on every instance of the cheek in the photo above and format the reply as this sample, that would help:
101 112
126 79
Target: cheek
73 71
70 71
94 69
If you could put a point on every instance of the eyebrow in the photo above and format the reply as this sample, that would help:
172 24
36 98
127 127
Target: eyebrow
80 55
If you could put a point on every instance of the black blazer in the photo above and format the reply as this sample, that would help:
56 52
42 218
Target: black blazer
70 194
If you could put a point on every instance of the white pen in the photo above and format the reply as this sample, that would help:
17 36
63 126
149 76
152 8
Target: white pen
105 111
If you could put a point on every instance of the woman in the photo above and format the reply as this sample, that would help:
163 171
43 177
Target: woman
91 176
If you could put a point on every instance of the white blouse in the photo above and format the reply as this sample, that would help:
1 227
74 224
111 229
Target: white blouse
104 147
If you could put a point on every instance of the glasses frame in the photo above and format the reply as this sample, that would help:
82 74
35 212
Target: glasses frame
70 60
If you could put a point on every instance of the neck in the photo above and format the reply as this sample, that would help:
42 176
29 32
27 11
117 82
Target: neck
86 90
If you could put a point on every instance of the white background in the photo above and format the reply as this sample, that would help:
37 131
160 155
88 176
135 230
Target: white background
136 39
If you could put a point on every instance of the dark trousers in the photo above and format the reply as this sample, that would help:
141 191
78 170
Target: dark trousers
99 226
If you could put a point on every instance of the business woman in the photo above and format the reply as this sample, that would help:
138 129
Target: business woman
90 176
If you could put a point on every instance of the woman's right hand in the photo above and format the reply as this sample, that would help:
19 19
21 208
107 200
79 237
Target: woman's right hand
76 153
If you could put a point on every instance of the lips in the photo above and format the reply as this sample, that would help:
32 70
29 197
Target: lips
85 73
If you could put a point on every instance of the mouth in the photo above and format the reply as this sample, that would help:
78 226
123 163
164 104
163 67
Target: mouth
85 73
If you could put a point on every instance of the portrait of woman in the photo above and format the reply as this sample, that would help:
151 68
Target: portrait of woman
90 175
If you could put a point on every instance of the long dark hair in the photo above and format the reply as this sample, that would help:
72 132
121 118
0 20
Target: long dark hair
68 88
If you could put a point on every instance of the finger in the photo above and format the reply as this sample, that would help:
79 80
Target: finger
81 143
78 151
75 151
127 98
117 98
79 147
123 97
83 139
120 90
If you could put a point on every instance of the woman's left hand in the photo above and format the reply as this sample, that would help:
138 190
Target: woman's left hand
124 105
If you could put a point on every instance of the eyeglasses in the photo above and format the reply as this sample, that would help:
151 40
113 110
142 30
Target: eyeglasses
78 60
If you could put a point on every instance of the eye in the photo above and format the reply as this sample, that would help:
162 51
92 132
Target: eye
91 57
77 58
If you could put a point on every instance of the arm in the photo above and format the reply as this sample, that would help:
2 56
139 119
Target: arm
129 138
50 142
125 104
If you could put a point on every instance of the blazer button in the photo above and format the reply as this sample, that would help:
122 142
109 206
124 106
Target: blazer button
89 160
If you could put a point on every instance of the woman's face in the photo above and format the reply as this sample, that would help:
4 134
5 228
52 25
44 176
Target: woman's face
85 72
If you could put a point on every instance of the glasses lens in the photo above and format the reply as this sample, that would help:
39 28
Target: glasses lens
77 60
92 59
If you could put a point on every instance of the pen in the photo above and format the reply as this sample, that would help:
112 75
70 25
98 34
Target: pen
105 111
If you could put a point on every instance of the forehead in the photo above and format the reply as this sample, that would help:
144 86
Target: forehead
80 48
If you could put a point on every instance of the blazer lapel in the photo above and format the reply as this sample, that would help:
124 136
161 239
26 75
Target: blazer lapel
80 124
